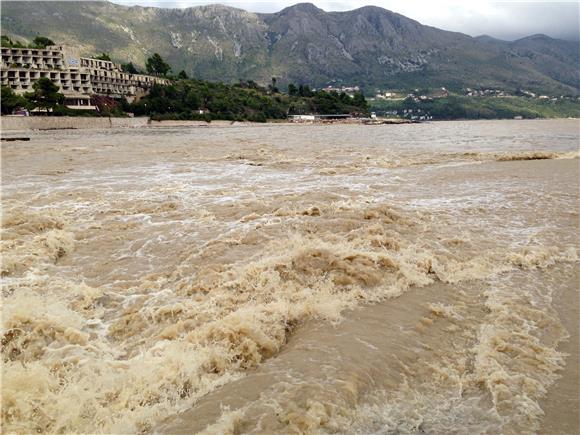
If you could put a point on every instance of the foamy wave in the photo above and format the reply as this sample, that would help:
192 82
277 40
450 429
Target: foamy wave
173 338
537 155
410 160
31 239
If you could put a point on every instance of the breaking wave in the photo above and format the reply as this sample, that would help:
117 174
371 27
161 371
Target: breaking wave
80 358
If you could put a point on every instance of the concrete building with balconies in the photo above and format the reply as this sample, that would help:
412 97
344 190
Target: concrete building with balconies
77 77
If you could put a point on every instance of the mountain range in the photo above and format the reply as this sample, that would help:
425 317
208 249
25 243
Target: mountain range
370 46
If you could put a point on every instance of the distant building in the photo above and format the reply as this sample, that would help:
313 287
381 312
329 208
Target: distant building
78 78
310 117
301 117
349 90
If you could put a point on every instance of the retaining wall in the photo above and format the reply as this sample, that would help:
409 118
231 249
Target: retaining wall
170 123
24 123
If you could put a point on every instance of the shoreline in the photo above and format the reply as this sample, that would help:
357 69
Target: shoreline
14 124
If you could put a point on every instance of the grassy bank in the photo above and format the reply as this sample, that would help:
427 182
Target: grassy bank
461 107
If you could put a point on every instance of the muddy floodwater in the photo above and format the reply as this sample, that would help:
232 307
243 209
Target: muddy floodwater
292 279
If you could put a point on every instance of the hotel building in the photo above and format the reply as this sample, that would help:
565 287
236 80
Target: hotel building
78 78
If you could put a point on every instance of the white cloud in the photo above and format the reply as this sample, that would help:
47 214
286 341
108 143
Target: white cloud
501 19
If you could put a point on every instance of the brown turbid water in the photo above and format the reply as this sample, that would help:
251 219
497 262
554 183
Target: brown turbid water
292 279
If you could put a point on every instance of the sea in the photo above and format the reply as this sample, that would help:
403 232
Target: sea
292 279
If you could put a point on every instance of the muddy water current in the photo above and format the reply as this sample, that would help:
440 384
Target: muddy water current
292 279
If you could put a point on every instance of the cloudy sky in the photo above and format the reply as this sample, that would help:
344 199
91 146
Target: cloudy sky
502 19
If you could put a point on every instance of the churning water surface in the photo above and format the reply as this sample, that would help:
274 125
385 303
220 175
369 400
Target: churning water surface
292 279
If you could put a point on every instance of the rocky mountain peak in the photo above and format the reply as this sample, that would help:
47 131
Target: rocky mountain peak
370 46
308 8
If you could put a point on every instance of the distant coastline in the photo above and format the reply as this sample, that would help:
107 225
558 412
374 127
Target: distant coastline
16 124
455 107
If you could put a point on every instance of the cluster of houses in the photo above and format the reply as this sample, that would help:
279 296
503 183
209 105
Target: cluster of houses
388 95
419 96
433 95
349 90
521 93
546 97
485 93
416 95
411 114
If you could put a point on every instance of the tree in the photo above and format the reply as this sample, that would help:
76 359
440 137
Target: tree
156 65
292 90
45 94
42 42
345 98
10 101
360 101
130 68
193 99
7 42
273 87
103 56
304 91
182 75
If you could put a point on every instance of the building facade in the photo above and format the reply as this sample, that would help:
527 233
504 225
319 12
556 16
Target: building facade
78 78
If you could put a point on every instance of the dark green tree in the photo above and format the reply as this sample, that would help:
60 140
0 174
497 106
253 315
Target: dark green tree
10 101
360 101
42 42
304 91
7 42
193 100
45 94
103 56
156 65
273 87
182 75
345 98
130 68
292 90
253 85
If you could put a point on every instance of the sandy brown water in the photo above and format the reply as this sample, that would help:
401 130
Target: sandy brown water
292 279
